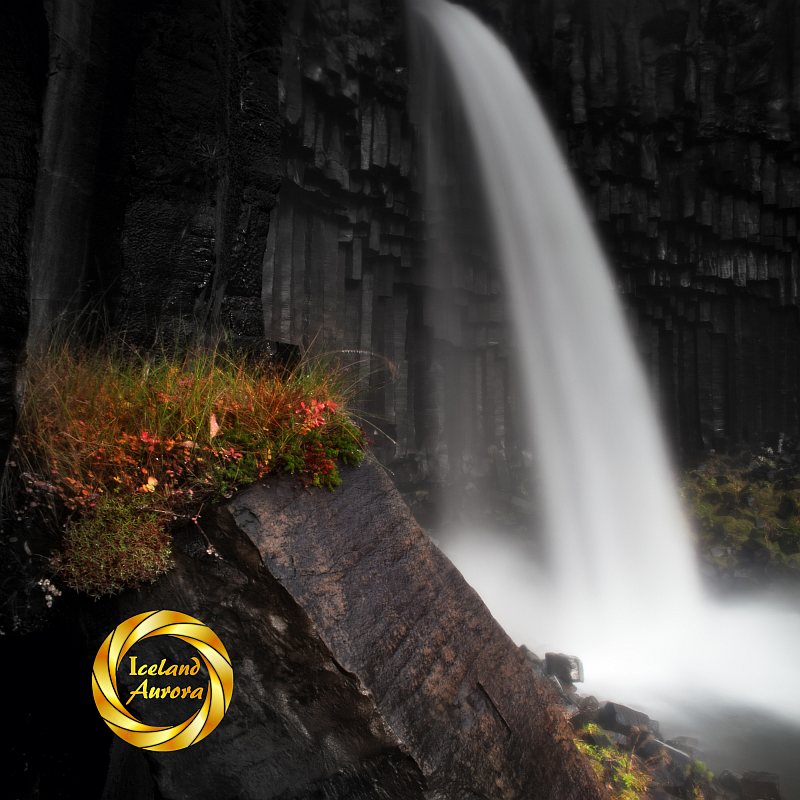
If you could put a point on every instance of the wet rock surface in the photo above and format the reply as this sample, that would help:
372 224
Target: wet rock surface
567 669
447 680
364 666
619 718
298 726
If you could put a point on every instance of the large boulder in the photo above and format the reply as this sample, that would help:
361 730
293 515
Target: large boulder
365 666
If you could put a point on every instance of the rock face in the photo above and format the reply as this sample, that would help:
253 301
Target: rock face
158 163
678 122
139 160
344 251
679 119
159 137
299 725
23 61
393 611
364 665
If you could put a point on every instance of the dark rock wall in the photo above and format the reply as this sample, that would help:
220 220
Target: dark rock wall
678 119
347 270
339 271
139 159
160 136
23 65
681 120
62 222
158 166
195 168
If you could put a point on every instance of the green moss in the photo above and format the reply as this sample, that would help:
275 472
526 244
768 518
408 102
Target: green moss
735 529
730 497
122 544
700 773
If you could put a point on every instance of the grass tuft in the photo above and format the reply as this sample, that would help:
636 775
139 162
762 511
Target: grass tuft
620 772
115 445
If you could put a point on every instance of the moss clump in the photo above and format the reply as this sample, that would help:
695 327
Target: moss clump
117 445
117 546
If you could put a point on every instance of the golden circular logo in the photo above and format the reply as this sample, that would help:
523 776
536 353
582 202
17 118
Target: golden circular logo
216 695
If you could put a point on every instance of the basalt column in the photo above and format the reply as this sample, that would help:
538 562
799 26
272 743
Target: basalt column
347 269
682 122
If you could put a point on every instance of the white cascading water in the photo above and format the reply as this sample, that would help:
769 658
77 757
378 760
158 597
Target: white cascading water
622 587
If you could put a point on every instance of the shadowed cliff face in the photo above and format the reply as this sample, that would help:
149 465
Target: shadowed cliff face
159 158
202 138
678 124
23 63
344 239
679 120
165 132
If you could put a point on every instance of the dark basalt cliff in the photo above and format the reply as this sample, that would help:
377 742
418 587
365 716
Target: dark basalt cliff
427 698
681 120
23 64
342 269
158 163
250 166
139 162
190 166
679 123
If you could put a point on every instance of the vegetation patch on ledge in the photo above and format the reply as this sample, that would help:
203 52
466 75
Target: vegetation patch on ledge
746 510
637 766
114 446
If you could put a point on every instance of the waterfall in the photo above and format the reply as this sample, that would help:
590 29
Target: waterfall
614 524
622 586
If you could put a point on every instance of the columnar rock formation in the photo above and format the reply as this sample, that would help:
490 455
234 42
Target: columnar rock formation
158 147
159 138
339 269
680 120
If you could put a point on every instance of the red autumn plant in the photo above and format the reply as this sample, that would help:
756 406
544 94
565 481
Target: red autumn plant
106 434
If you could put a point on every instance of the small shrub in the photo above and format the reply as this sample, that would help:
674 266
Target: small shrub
117 445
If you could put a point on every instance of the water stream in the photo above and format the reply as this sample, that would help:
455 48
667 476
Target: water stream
621 586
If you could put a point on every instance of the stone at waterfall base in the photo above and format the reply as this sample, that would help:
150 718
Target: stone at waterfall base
622 719
568 669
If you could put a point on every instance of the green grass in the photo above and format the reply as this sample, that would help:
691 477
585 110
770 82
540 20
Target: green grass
619 771
115 445
624 774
